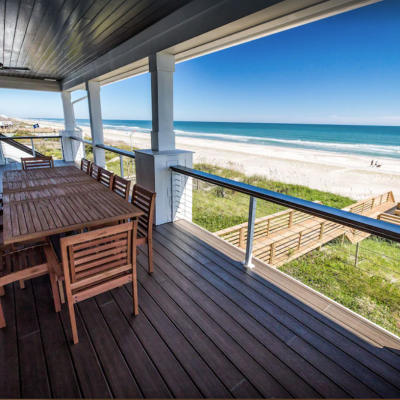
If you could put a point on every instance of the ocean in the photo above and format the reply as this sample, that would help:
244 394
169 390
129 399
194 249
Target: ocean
373 141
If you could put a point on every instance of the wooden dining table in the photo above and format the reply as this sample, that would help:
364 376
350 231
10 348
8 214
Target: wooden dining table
47 201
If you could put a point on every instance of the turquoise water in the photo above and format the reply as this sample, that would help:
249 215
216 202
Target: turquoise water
373 141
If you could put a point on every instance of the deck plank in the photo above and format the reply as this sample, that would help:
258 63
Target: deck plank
225 370
172 372
9 362
265 311
272 357
354 327
143 369
33 371
119 376
356 361
63 381
369 360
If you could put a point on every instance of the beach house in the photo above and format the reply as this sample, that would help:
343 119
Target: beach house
213 319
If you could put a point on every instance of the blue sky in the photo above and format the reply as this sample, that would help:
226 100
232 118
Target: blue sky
341 70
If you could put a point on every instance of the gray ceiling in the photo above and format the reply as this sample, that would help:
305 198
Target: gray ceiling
57 37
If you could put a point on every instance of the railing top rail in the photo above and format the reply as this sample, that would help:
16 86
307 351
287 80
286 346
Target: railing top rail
30 137
372 226
116 150
361 202
80 139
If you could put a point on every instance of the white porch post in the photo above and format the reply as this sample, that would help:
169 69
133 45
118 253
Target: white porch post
153 166
72 150
162 68
96 121
2 158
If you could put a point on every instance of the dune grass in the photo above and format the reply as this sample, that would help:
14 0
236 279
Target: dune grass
216 208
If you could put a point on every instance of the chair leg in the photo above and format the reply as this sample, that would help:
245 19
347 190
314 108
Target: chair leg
2 291
2 320
62 294
22 284
150 253
54 288
73 321
134 285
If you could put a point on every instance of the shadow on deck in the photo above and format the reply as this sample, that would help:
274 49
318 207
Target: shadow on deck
207 327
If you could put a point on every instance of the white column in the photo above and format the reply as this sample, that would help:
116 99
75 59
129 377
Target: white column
72 150
162 68
2 158
96 121
153 166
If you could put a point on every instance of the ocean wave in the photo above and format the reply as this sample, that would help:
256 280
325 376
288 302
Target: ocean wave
298 142
356 148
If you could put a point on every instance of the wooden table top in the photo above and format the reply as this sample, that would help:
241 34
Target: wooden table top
32 212
14 181
41 173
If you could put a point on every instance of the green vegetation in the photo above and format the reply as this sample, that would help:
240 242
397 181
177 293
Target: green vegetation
216 208
113 160
48 147
370 288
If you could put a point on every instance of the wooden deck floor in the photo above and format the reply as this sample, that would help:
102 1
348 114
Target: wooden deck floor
206 328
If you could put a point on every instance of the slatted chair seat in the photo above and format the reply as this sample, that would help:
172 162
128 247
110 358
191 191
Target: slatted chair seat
98 261
106 178
37 162
85 165
145 200
27 263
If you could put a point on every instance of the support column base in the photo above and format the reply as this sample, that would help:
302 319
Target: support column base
153 172
72 149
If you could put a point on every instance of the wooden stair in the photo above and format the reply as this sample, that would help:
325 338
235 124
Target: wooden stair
282 237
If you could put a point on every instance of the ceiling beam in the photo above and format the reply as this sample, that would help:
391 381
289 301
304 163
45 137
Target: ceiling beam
10 82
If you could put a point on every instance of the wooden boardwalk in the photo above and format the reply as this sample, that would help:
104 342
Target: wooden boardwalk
282 237
207 327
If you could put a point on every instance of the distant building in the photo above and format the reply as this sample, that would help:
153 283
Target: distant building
6 124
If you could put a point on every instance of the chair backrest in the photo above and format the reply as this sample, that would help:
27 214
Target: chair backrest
85 165
121 186
106 177
37 162
145 200
94 171
95 257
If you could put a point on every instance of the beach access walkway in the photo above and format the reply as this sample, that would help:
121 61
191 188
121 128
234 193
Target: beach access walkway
284 236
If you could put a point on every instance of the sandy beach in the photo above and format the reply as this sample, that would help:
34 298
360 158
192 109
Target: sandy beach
344 174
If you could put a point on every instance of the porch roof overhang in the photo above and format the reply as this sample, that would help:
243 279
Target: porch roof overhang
195 28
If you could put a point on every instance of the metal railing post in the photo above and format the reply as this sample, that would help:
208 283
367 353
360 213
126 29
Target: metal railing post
33 148
62 149
121 162
250 232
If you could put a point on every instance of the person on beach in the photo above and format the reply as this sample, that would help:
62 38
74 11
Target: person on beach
376 163
372 163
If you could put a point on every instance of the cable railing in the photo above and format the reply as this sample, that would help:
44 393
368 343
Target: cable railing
126 165
40 145
351 257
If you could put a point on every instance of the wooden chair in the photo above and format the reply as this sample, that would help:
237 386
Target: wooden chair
98 261
94 171
37 162
85 165
27 263
121 186
106 177
145 200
